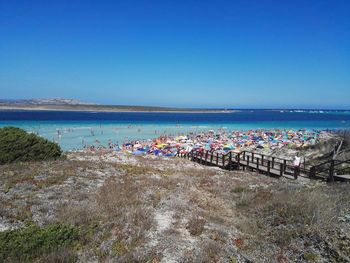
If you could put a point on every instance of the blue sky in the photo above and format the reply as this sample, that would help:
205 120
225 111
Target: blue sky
234 54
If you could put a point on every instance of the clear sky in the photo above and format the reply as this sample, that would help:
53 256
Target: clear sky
181 53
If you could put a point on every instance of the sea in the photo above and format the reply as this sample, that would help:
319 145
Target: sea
74 129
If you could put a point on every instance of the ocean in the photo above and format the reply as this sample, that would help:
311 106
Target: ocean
73 129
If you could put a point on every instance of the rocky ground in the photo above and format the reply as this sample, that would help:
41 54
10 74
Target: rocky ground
146 209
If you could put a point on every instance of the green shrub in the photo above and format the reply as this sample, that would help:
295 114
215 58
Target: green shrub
310 257
29 243
239 189
16 145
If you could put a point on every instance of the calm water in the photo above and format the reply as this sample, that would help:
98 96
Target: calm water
74 129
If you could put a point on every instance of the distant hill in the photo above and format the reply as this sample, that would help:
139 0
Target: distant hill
76 105
54 101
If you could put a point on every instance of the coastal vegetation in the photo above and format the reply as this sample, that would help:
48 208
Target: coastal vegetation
16 145
309 223
138 209
48 243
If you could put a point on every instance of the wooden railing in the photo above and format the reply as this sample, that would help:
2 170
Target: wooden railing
245 159
329 169
269 164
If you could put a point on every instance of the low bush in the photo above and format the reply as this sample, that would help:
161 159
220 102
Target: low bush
196 226
32 242
16 145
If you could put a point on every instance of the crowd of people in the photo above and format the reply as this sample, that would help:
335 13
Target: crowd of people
222 141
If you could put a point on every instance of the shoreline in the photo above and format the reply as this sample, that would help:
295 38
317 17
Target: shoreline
119 110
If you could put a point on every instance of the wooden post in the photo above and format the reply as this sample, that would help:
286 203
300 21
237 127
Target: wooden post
217 159
238 160
244 155
206 156
273 162
223 161
281 169
312 172
268 167
331 172
211 158
262 160
252 157
257 164
247 161
284 165
230 161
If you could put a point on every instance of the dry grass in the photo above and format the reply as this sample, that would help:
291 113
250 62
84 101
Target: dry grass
78 214
199 172
121 213
62 255
295 223
210 215
52 173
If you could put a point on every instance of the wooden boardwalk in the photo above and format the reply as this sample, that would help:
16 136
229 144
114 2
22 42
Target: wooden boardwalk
267 164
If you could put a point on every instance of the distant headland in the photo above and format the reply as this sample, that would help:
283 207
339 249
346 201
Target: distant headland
60 104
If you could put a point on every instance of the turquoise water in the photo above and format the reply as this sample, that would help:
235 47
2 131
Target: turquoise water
73 130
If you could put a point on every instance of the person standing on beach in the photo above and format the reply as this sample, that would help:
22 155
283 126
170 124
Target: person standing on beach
296 164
